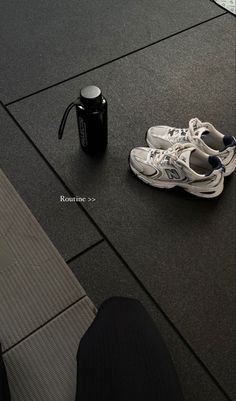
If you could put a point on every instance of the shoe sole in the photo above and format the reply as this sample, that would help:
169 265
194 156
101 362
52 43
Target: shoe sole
197 191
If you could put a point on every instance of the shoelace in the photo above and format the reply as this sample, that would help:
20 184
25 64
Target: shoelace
157 155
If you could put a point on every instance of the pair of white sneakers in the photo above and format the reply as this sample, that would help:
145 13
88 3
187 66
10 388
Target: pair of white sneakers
195 158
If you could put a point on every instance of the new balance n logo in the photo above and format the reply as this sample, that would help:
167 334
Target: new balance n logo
172 174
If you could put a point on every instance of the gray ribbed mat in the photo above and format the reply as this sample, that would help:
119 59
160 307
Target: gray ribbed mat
43 367
35 282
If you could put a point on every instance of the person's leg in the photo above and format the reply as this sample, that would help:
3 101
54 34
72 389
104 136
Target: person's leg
4 388
122 357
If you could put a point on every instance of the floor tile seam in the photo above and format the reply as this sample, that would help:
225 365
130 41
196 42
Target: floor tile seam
84 251
122 260
111 61
57 315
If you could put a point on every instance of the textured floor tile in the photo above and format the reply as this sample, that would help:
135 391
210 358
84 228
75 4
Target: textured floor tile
103 275
43 367
181 247
35 282
46 42
65 224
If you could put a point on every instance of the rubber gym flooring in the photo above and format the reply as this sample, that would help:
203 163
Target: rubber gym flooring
157 63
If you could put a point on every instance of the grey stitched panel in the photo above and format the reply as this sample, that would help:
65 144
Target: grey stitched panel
43 367
35 282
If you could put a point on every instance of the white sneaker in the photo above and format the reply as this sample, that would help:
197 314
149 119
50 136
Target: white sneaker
203 135
184 166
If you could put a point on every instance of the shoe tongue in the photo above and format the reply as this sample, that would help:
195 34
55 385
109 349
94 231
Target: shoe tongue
185 156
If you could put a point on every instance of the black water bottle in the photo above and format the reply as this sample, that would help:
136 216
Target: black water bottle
91 111
92 119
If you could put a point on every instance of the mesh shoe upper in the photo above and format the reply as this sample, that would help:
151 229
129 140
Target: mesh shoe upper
179 162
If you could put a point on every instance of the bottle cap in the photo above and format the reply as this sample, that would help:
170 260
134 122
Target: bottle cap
91 96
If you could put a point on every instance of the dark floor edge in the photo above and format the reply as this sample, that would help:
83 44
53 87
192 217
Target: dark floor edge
44 324
84 251
121 258
113 60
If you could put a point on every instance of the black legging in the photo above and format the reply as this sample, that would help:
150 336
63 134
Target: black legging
4 389
122 357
